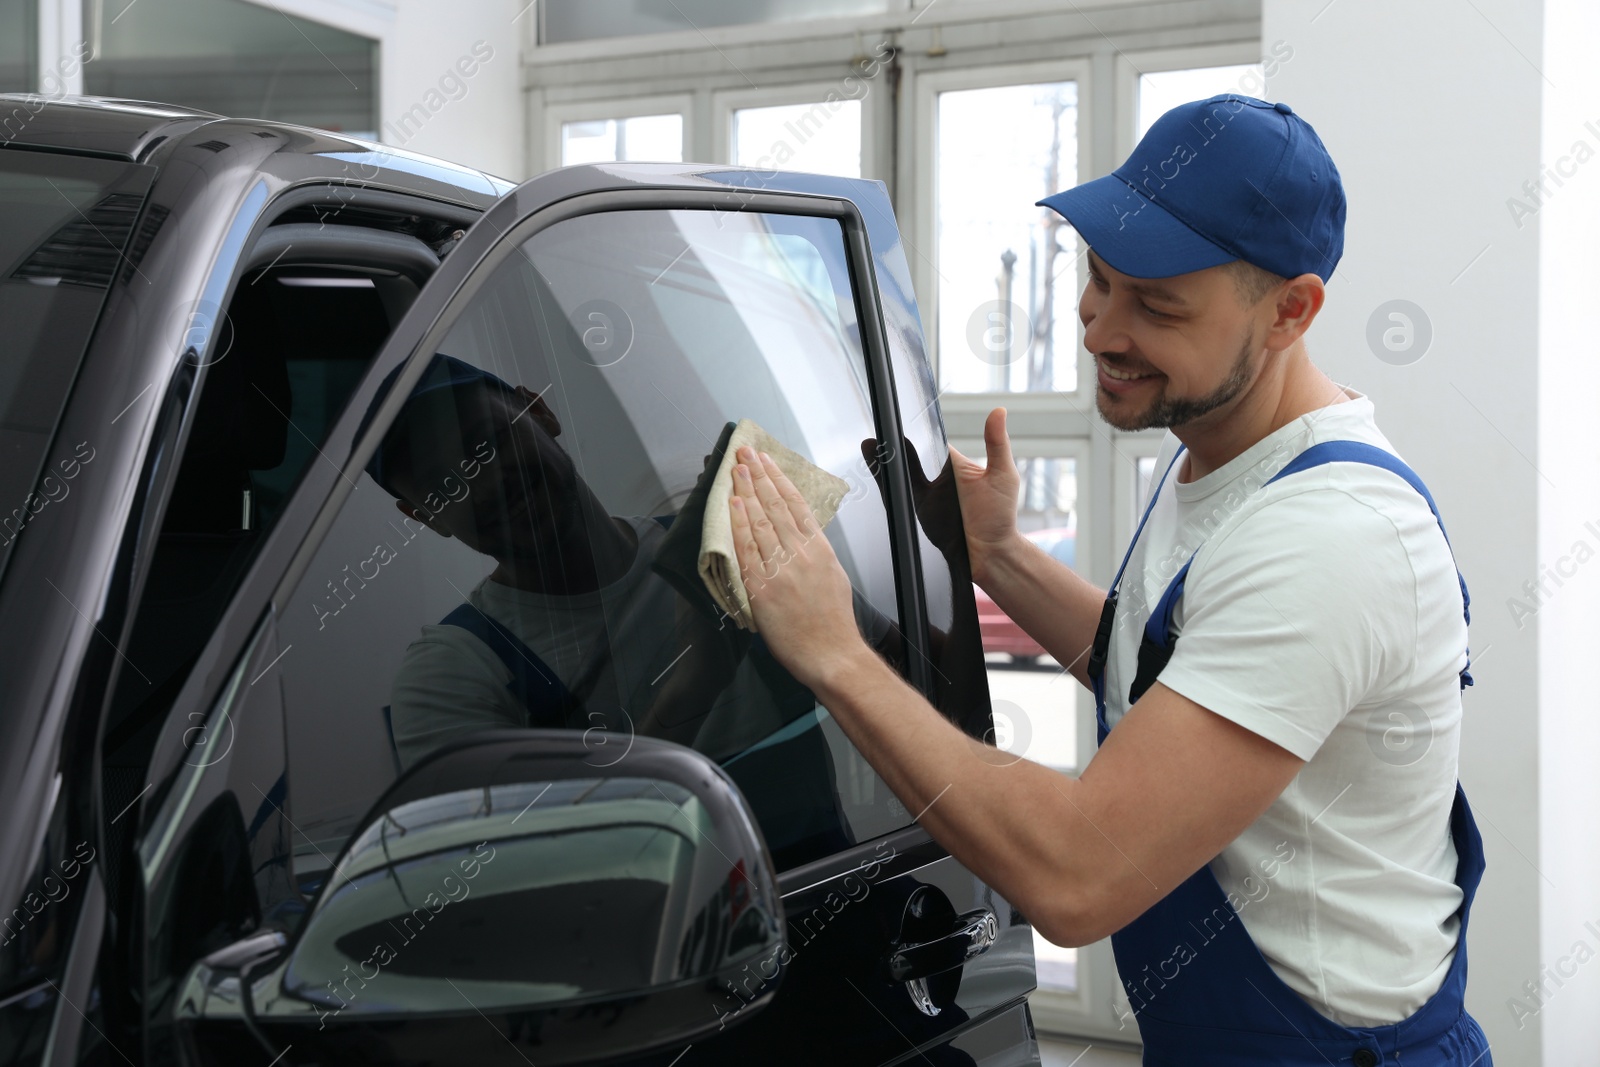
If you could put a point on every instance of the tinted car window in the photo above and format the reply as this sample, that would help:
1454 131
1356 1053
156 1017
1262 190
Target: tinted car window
64 225
499 563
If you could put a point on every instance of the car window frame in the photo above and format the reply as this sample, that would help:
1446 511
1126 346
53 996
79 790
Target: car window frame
324 488
240 621
875 353
182 398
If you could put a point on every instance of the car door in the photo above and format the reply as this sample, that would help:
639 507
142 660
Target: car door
495 541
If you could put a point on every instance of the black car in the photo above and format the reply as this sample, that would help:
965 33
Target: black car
352 710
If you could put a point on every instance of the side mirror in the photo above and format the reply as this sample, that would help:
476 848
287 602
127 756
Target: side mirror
594 911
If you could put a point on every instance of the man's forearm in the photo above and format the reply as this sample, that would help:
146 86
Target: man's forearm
1008 820
1045 597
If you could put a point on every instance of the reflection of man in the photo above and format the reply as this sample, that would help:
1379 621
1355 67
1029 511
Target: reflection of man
572 628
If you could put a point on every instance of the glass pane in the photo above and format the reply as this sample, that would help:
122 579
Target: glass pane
1161 91
294 343
1033 698
820 138
237 58
515 561
19 42
1049 501
1035 701
1007 270
643 138
583 20
1057 967
64 222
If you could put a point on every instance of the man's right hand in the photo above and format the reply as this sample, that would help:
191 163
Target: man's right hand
988 495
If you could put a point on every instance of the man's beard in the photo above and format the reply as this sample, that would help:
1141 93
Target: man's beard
1165 412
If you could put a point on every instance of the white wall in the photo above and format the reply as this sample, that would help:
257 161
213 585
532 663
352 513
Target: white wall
60 46
427 103
481 125
1436 113
1569 454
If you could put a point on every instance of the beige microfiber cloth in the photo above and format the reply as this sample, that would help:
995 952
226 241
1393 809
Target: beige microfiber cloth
707 508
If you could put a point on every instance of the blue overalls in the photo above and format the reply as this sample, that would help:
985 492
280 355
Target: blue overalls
1225 1004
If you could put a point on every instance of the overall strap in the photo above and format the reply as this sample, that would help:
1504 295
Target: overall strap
1158 629
1150 506
1361 452
1101 650
533 683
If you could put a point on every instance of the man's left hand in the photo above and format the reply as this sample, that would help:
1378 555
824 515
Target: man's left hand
799 594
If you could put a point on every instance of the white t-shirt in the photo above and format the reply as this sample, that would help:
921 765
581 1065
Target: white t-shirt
1323 613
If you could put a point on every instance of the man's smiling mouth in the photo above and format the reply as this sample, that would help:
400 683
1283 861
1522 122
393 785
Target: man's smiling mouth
1123 375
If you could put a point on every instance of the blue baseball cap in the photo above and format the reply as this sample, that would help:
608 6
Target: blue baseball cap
443 373
1213 181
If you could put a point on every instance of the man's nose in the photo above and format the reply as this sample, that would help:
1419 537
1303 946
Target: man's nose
1104 329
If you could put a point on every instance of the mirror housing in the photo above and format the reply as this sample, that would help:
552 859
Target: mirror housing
605 910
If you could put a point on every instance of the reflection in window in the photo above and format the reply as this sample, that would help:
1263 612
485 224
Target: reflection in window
1161 91
1007 270
645 138
236 58
819 138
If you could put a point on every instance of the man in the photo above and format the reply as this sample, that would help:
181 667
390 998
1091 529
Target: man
1272 831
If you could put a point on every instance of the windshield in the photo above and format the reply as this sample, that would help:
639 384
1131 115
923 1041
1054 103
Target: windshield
65 222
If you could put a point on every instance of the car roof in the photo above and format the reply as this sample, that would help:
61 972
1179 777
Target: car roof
102 126
142 130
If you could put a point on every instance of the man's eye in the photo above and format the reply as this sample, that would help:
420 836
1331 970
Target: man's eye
1154 314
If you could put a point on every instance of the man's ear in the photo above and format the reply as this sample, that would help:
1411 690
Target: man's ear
420 516
1297 304
539 410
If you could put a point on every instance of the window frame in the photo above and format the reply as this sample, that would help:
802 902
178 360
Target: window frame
606 109
207 302
1080 452
724 102
891 8
923 206
1125 486
1131 66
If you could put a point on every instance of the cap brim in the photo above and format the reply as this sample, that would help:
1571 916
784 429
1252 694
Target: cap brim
1133 233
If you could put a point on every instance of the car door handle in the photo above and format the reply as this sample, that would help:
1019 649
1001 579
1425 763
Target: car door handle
973 934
